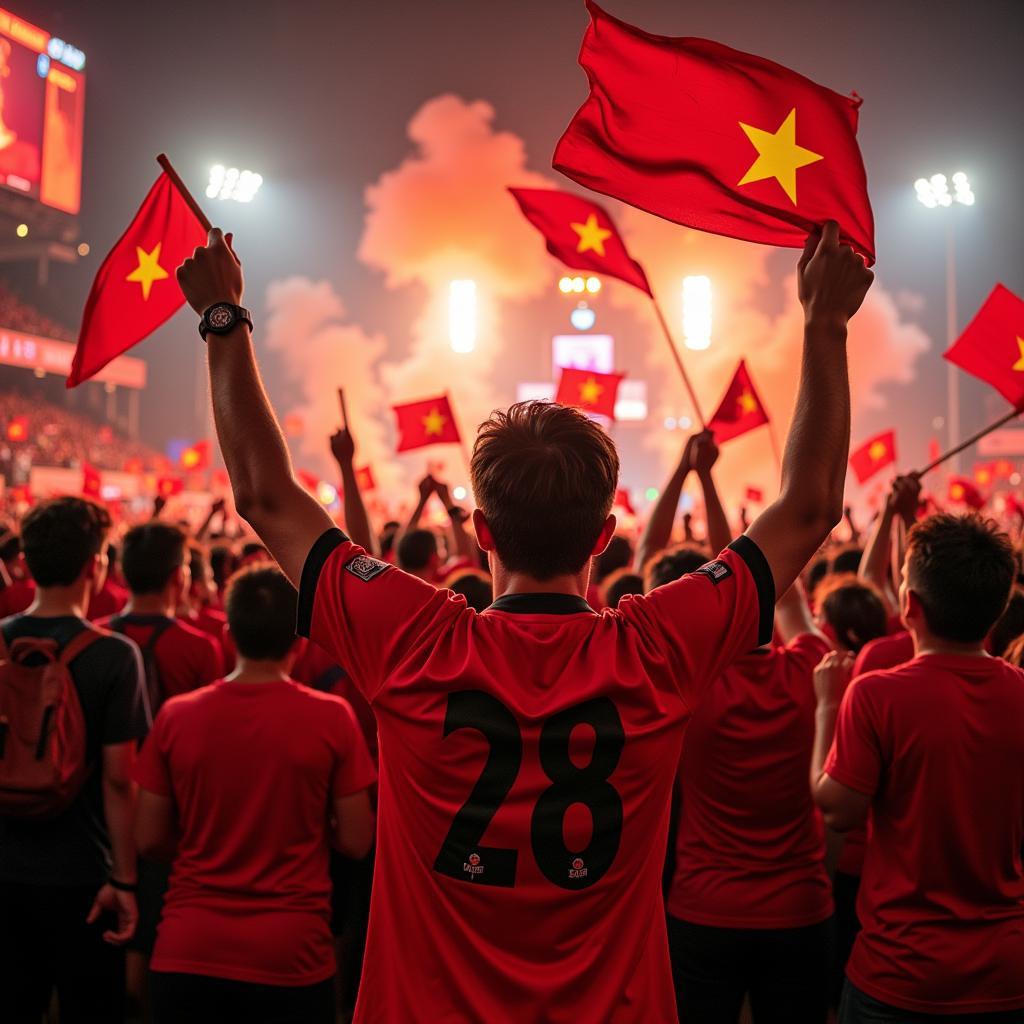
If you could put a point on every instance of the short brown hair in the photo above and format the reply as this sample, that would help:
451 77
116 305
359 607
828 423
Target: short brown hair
853 608
544 477
961 568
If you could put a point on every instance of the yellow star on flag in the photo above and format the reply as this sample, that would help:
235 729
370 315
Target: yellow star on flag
433 422
956 492
1019 365
592 235
747 403
590 391
148 270
778 155
878 451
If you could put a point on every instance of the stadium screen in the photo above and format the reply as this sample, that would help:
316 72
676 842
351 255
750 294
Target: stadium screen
42 109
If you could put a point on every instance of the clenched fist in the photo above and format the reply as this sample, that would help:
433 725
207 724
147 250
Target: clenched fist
832 278
213 274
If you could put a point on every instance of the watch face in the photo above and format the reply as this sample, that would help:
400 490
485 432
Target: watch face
220 317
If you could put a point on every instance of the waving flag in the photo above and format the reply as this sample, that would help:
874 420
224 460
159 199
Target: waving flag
992 346
91 484
135 289
740 410
716 139
590 391
580 233
962 490
873 455
423 423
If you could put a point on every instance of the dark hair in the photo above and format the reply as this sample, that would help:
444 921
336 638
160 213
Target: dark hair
222 563
619 584
60 536
544 477
961 568
10 546
854 609
847 560
1010 624
816 573
673 564
618 555
415 550
474 585
150 555
253 549
387 536
260 607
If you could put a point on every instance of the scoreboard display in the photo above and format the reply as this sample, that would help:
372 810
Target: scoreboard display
42 112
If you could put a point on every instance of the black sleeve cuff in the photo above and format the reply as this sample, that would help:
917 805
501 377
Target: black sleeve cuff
315 560
763 580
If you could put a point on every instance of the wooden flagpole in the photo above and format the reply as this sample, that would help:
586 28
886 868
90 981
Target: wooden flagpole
1012 414
183 190
679 362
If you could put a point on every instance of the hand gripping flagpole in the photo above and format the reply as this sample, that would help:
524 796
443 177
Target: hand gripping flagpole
1012 414
679 362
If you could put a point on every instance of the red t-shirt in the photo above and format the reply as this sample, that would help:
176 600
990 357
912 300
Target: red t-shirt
186 658
208 620
750 850
527 756
253 769
107 601
938 744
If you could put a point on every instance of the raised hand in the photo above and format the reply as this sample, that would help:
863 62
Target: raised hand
832 278
705 452
906 496
427 486
212 274
831 677
343 447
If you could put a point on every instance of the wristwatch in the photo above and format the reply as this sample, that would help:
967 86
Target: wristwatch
222 317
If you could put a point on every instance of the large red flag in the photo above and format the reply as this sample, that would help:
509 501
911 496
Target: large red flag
716 139
740 410
580 233
590 391
428 422
992 345
135 290
874 454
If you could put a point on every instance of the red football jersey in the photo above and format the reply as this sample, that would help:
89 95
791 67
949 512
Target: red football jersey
527 756
186 658
253 769
938 745
750 850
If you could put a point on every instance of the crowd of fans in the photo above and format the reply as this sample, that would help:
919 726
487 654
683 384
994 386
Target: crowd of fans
18 315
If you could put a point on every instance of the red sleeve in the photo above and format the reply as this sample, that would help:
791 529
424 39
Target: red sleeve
806 651
353 770
368 615
213 661
709 618
855 759
151 770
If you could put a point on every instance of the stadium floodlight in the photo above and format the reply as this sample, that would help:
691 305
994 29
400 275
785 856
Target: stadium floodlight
697 312
231 183
21 230
934 192
593 285
462 315
460 493
565 285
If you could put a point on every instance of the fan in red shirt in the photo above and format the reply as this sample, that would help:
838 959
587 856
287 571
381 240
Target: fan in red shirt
527 753
246 784
750 904
198 604
934 748
178 657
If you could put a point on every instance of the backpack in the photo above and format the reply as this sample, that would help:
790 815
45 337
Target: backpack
154 691
42 728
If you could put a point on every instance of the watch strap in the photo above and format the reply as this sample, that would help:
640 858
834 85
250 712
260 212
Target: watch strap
242 315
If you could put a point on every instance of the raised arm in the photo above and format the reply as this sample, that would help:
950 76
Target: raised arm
874 566
793 616
833 281
357 523
457 517
658 531
217 506
704 458
286 518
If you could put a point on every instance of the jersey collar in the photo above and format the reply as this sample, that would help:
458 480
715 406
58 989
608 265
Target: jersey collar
541 604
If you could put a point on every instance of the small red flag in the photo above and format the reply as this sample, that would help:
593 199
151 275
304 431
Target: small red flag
424 423
755 494
169 486
90 481
624 501
365 480
1003 469
963 491
934 450
17 428
580 233
715 139
135 290
590 391
992 345
984 473
196 457
873 455
740 409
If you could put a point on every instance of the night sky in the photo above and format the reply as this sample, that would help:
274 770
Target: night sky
316 95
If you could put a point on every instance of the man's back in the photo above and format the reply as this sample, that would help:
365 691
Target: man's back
750 847
527 758
940 740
